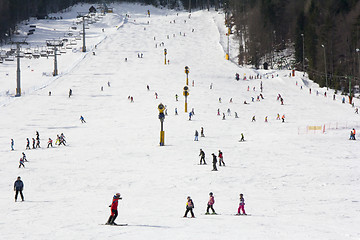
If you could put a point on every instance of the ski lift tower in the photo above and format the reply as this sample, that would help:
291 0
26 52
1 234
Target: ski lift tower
55 44
18 88
83 15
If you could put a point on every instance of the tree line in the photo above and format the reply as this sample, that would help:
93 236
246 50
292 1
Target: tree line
324 34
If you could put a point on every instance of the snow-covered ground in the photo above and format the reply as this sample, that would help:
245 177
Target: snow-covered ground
296 186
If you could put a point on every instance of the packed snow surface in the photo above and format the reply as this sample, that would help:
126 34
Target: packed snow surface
297 184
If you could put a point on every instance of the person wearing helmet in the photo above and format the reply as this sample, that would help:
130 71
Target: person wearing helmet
189 207
114 211
210 204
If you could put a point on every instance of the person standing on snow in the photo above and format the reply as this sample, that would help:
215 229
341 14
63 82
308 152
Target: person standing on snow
12 144
24 157
221 159
210 204
82 119
27 143
18 188
189 207
242 138
33 142
50 143
214 162
202 156
241 205
21 163
202 132
114 211
196 136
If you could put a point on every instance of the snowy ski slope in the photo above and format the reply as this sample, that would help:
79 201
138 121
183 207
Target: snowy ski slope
296 186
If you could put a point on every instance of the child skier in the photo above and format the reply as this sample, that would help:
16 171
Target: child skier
221 159
33 142
242 138
202 132
21 163
49 143
210 204
27 143
241 205
114 211
24 157
214 162
196 136
189 207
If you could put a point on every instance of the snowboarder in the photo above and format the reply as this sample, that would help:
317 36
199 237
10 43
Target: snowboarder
18 188
210 204
202 157
196 135
241 205
27 143
50 143
242 138
189 207
24 157
114 211
221 158
21 163
12 144
202 132
82 119
214 162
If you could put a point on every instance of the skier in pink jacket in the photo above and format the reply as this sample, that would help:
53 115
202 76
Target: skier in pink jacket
241 205
210 204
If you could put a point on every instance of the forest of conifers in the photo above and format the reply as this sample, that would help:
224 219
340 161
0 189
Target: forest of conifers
324 33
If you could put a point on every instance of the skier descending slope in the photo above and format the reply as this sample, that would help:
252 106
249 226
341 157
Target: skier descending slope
114 211
210 204
189 207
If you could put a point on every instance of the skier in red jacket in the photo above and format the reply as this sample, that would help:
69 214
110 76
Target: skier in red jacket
114 211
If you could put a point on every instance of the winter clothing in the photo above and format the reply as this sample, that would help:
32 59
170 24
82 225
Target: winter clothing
214 162
18 187
189 207
210 204
221 158
114 211
242 205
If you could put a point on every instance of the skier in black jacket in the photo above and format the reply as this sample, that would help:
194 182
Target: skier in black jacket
202 154
18 187
214 162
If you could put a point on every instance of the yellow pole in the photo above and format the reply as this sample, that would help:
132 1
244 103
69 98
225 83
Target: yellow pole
185 103
162 138
187 79
165 59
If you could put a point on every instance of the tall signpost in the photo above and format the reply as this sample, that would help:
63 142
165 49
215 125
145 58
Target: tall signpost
161 109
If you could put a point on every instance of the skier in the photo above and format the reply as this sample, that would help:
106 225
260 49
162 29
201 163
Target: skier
278 117
147 87
114 211
176 97
190 114
219 99
189 207
108 83
193 111
156 95
37 135
102 88
24 157
82 119
242 138
356 110
176 112
283 118
202 156
27 143
214 162
50 143
237 76
196 134
241 205
18 188
236 115
266 119
210 204
229 112
57 140
352 134
218 112
21 163
221 158
70 92
38 143
62 139
253 119
12 144
223 116
33 143
202 132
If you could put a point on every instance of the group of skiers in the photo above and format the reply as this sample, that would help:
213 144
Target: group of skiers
210 205
36 144
197 134
214 162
